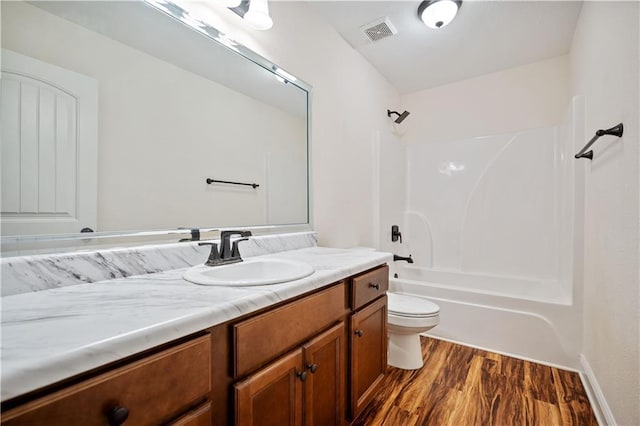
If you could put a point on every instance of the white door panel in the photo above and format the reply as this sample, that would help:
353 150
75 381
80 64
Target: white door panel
49 148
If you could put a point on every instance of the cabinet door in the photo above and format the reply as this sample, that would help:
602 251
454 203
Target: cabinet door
368 353
200 416
273 395
324 361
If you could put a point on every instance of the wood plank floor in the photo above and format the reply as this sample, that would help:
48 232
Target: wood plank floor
461 386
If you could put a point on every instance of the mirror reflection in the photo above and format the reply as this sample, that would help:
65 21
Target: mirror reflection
116 115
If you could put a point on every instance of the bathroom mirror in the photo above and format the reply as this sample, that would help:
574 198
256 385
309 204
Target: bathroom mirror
122 116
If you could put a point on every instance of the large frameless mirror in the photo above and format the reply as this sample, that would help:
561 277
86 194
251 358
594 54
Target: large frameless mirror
121 117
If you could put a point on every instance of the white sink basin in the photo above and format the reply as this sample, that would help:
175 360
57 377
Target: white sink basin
249 272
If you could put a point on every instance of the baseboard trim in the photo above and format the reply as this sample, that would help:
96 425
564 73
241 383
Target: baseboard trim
594 393
509 354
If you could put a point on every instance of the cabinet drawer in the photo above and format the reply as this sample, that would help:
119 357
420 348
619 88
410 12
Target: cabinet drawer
263 337
153 390
369 286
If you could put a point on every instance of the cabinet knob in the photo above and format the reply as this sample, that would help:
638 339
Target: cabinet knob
312 367
302 375
117 415
358 333
376 286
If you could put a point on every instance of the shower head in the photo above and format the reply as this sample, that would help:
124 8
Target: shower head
400 118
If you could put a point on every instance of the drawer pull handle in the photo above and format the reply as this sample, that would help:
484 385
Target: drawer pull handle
312 367
359 333
117 415
376 286
302 376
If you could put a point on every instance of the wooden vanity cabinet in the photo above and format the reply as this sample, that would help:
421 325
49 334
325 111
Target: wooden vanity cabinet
368 353
367 337
283 365
325 387
272 396
305 386
157 389
199 416
309 384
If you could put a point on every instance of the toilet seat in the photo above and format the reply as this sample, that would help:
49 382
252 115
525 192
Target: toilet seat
410 307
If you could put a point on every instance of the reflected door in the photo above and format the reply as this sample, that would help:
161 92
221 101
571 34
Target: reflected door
49 148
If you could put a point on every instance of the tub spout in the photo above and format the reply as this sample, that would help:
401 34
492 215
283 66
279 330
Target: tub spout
406 259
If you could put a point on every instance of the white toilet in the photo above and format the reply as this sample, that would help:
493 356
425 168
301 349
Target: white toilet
407 318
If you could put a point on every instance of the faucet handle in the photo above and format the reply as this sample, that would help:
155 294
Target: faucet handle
214 255
396 234
235 251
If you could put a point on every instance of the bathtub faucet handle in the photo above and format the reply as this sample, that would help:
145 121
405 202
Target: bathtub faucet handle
396 234
408 259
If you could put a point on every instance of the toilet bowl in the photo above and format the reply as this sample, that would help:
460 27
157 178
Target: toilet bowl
407 317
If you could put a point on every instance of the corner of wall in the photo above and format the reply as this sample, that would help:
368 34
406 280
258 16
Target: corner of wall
594 393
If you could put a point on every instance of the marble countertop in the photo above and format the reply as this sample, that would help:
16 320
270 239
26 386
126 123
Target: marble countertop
55 334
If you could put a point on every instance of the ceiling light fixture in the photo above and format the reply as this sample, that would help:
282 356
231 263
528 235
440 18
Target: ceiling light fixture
438 13
258 15
231 3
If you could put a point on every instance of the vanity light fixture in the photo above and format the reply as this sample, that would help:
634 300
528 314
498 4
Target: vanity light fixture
438 13
231 3
258 15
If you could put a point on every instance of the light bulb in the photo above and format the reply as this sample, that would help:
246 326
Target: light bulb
231 3
258 15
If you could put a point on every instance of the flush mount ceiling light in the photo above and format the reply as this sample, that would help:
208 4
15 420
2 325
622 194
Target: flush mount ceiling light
231 3
258 15
438 13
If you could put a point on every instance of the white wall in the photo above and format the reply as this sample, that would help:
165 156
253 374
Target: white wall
604 69
350 99
392 192
163 130
526 97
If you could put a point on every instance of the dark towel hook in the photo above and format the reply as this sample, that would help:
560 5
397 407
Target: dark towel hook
614 131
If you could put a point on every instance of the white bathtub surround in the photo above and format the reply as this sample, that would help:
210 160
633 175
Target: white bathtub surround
489 204
491 223
537 331
42 272
54 334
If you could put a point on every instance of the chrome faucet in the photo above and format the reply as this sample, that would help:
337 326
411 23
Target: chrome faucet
228 253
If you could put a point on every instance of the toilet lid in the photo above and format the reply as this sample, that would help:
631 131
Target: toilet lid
407 306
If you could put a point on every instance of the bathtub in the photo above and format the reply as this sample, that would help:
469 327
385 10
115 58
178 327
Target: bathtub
522 317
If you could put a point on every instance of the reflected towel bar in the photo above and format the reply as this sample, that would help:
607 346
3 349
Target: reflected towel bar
253 185
614 131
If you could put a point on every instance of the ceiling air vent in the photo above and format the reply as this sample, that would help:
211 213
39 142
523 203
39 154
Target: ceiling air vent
379 29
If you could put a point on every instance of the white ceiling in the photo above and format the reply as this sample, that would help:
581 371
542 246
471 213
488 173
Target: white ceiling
485 36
